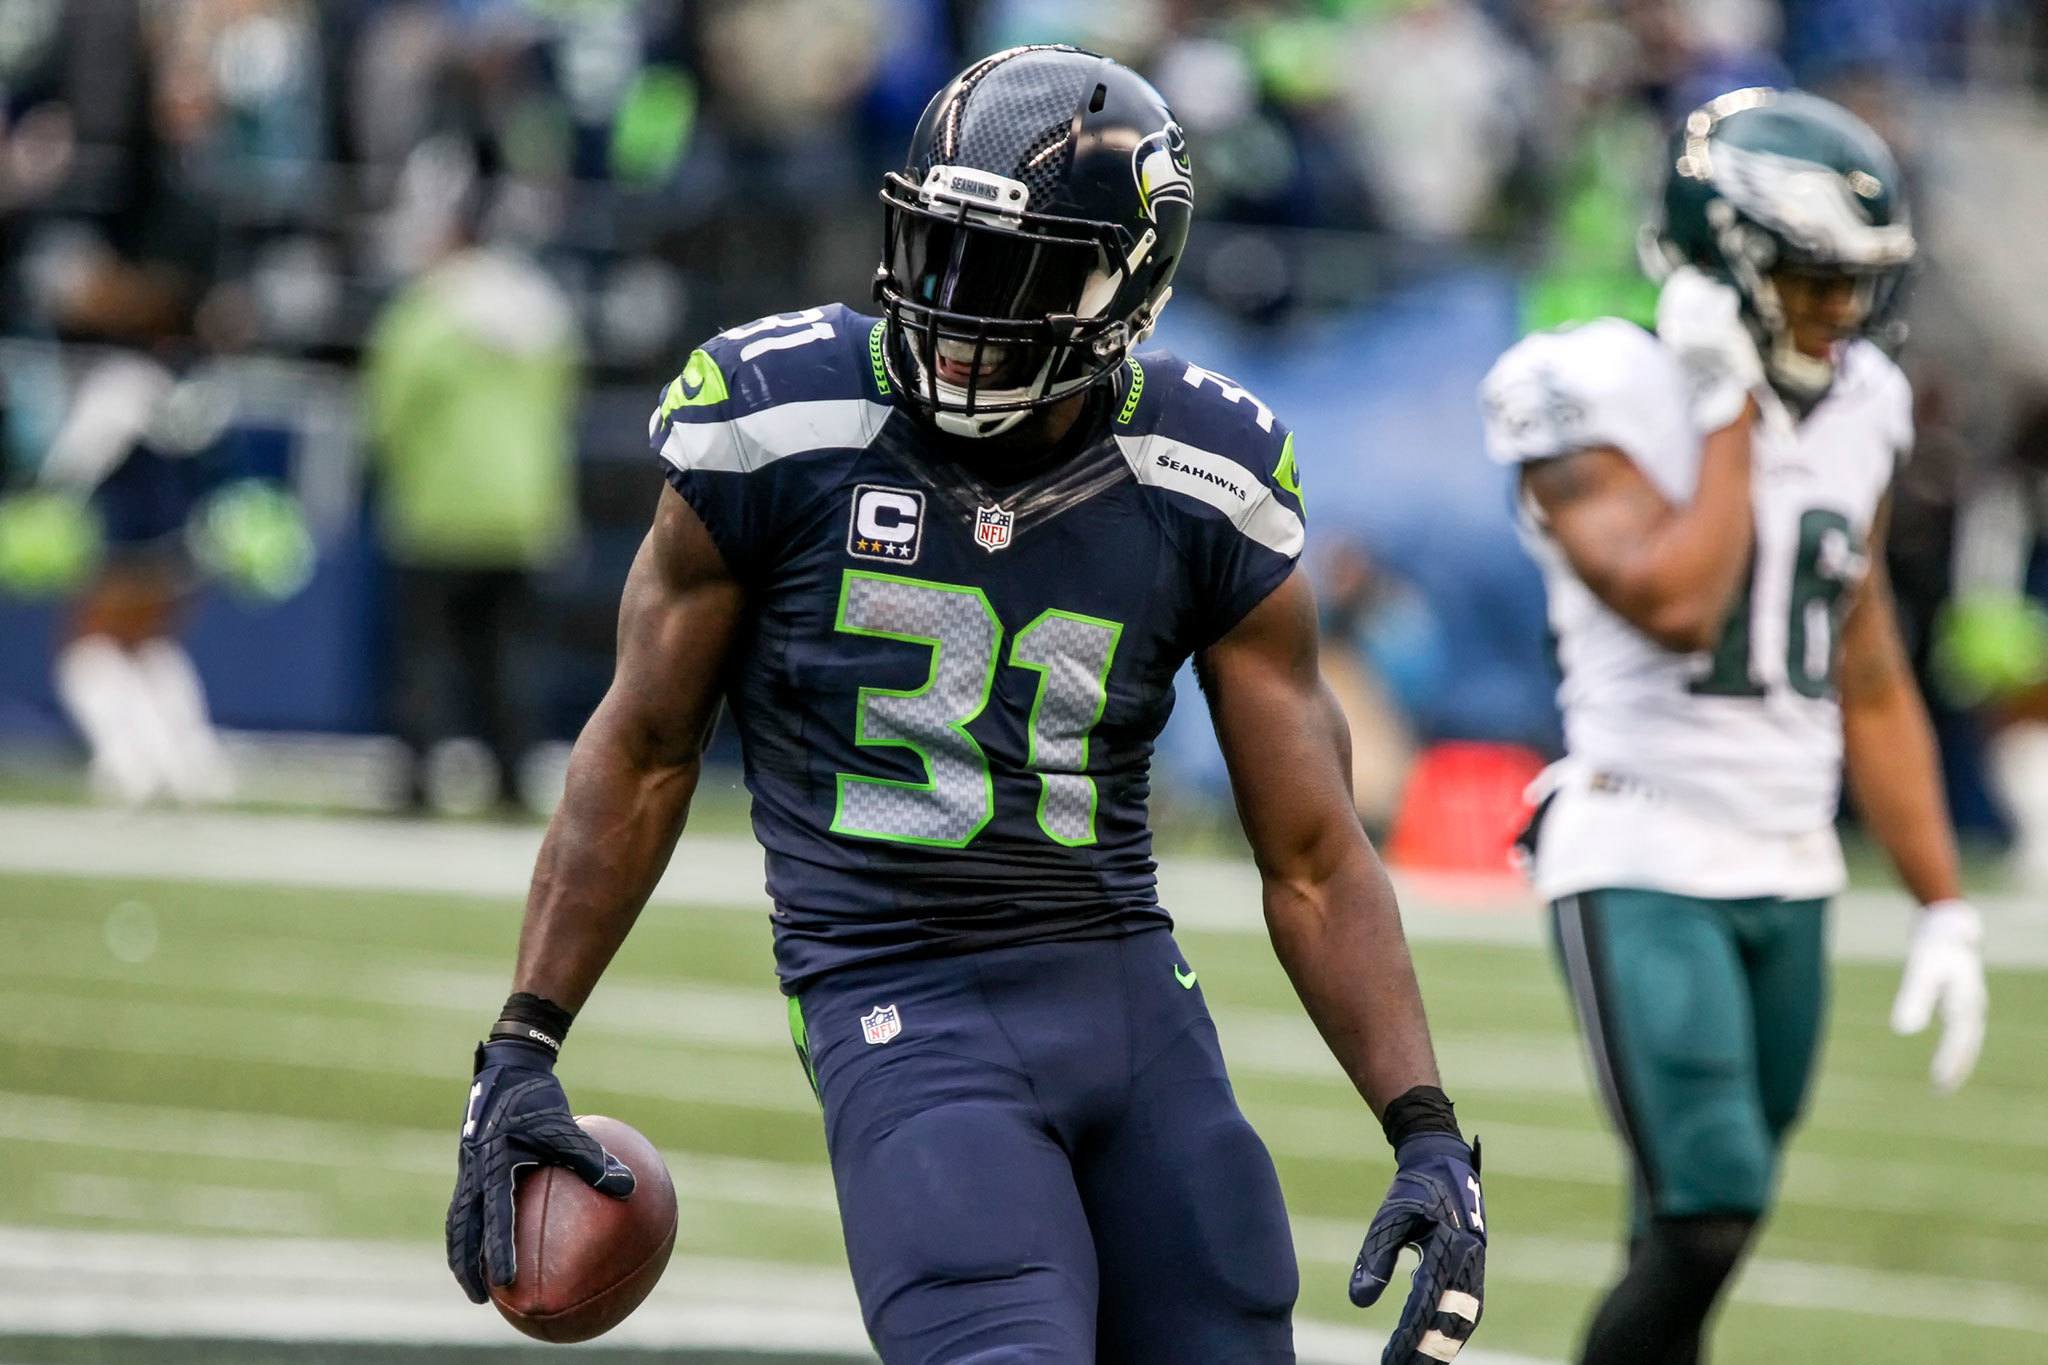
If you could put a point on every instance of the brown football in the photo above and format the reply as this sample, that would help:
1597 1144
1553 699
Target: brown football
586 1260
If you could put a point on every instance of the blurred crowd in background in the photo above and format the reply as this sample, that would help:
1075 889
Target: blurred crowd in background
344 320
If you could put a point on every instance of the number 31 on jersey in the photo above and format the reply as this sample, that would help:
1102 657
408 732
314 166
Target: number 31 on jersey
1071 654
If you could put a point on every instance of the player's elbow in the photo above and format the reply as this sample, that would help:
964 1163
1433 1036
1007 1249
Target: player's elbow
1316 868
1682 626
1674 621
636 742
1679 616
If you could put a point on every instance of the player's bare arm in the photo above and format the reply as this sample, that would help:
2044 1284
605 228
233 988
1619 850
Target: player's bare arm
1671 570
1888 743
1337 931
1894 775
629 786
1328 903
636 764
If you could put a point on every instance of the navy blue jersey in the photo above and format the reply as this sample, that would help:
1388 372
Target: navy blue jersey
948 689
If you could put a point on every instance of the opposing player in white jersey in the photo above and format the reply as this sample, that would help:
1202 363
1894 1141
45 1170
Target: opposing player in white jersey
1708 505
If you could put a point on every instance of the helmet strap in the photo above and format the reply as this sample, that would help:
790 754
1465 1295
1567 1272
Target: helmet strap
1800 378
974 426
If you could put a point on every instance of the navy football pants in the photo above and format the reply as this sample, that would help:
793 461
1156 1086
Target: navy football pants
1046 1163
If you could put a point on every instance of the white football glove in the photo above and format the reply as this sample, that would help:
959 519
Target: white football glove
1945 968
1700 319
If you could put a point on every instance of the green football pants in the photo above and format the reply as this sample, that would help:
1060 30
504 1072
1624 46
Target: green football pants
1702 1019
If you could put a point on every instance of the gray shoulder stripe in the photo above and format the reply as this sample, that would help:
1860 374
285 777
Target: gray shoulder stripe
1221 482
756 439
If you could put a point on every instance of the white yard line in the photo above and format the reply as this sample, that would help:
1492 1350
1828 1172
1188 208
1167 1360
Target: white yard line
1207 894
81 1284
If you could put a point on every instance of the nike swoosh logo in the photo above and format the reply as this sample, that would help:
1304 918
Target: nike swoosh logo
1186 978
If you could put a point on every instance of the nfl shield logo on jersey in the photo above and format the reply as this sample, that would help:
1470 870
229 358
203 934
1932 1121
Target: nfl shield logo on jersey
992 527
880 1024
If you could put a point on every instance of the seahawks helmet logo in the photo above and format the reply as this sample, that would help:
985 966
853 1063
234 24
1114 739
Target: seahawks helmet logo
1163 172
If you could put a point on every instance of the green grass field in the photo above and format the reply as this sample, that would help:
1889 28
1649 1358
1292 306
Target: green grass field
184 1059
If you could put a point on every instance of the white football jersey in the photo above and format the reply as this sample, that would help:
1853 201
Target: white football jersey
1714 773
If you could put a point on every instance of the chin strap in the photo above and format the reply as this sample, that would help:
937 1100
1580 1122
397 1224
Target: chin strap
1802 379
977 428
980 426
1124 338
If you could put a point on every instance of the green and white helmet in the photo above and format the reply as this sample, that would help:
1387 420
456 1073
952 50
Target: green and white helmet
1763 180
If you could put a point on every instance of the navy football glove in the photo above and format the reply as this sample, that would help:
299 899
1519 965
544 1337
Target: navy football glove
517 1117
1434 1206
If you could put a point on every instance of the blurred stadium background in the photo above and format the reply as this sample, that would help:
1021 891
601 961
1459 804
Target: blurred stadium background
423 266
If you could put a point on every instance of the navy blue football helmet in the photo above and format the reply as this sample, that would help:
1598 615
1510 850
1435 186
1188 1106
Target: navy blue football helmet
1031 239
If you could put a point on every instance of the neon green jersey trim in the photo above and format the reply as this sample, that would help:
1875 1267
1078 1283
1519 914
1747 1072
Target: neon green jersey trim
1123 419
875 337
699 386
801 1037
1286 474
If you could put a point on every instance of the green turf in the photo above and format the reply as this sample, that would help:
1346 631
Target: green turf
183 1057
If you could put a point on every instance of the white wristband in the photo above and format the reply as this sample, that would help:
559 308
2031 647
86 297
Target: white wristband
1955 919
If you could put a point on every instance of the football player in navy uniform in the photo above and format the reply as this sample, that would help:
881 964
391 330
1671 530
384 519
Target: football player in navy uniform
943 565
